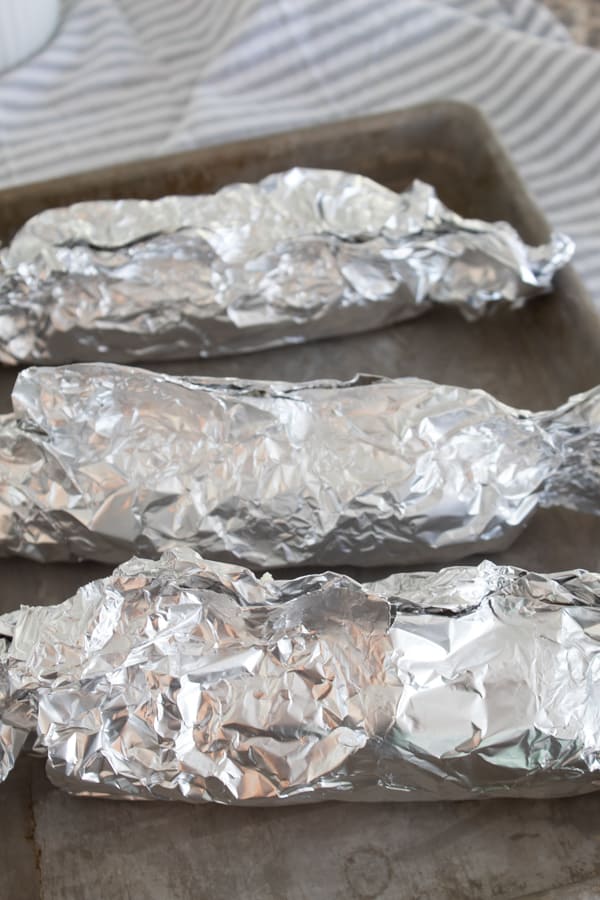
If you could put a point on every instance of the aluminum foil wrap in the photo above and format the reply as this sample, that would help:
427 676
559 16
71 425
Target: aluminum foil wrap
301 255
103 461
186 679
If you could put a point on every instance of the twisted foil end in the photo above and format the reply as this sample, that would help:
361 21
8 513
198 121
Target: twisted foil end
574 430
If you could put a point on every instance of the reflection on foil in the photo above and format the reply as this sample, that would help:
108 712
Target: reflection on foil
302 255
102 461
186 679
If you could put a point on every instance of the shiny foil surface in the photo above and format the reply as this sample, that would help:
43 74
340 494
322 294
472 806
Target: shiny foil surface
191 680
301 255
103 462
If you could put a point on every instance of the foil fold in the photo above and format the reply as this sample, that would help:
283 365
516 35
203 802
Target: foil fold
301 255
185 679
102 462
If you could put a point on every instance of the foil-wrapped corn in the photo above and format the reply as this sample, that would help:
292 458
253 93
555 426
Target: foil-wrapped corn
103 461
304 254
185 679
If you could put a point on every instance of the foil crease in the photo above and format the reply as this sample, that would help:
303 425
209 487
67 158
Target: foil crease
104 462
301 255
184 679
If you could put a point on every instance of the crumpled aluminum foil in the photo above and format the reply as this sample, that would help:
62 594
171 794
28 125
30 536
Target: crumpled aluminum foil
102 461
186 679
304 254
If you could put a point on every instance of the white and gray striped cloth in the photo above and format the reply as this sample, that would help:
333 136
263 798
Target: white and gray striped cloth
125 79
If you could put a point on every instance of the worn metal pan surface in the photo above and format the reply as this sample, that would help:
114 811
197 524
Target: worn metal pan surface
534 358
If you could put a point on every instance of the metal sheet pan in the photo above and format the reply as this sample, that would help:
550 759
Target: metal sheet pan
534 359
